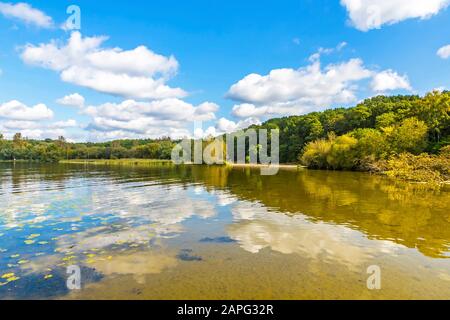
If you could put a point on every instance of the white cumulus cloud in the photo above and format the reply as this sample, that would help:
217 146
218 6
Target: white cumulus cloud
33 123
310 84
286 92
246 110
372 14
70 123
290 91
72 100
228 126
138 73
26 13
389 80
444 52
16 110
130 118
20 125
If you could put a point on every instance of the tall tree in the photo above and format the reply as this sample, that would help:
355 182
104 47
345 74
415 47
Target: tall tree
17 140
434 109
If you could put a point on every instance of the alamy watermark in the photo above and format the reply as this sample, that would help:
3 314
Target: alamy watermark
74 278
73 22
374 280
249 147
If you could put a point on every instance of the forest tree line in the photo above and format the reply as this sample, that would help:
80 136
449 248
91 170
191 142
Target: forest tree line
21 148
381 126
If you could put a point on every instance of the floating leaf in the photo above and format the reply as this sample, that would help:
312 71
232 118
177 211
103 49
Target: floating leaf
12 279
34 236
69 258
14 256
43 243
23 262
29 242
49 276
8 275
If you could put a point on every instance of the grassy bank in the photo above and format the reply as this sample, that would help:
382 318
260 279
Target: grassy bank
258 166
121 162
13 161
151 162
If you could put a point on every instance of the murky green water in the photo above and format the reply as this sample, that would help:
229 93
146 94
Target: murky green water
218 233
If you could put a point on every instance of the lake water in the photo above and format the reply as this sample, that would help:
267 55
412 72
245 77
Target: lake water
218 233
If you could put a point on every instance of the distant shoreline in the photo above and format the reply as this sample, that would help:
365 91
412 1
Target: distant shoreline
118 162
136 162
257 166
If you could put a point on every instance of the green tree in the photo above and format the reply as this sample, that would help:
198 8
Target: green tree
385 120
434 110
410 136
17 140
316 153
358 117
154 150
371 143
343 153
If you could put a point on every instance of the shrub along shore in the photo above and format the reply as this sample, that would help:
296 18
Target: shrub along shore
120 162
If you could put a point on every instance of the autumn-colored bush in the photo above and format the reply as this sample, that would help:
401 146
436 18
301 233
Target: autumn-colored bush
421 168
316 153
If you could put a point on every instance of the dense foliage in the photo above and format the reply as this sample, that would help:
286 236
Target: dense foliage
52 151
421 168
377 128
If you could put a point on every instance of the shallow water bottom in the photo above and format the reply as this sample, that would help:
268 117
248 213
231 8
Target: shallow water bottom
266 276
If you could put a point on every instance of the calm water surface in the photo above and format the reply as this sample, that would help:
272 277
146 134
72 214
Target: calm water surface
218 233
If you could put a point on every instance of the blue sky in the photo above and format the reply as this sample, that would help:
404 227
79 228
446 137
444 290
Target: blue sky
226 63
